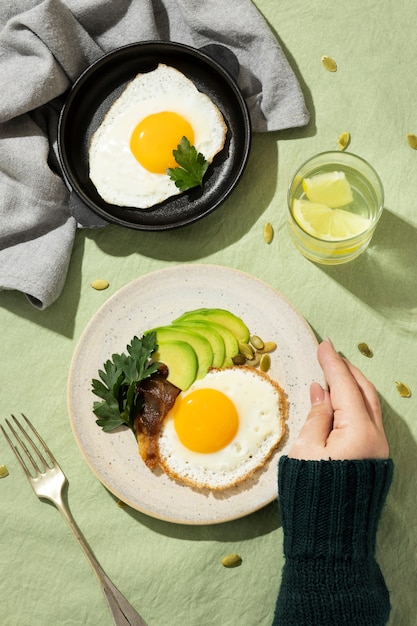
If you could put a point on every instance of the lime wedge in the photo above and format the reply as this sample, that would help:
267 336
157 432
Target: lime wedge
330 188
323 222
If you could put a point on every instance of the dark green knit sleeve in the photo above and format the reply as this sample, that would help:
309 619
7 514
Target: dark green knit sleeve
330 512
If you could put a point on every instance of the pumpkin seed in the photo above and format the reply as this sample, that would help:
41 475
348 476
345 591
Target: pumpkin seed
100 284
268 232
239 359
269 346
255 361
412 141
343 140
3 471
403 389
265 363
365 350
257 342
231 560
328 63
246 350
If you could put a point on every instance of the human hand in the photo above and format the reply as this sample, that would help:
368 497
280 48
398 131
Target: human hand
344 422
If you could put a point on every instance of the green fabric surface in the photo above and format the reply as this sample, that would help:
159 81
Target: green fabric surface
171 573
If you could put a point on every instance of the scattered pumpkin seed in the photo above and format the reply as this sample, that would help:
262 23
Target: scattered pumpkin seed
256 360
343 140
239 359
231 560
265 363
257 342
412 141
269 346
100 284
246 350
403 389
3 471
328 63
121 504
365 350
268 232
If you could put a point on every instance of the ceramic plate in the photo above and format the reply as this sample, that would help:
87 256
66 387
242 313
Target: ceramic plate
102 83
156 299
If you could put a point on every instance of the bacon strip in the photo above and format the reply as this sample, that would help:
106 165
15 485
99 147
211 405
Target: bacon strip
158 398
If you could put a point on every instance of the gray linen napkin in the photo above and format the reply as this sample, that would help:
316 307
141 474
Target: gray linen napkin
44 46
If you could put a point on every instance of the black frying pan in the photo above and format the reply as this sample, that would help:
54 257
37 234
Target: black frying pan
94 92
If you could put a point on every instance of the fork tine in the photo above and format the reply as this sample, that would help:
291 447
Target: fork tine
16 451
33 445
52 459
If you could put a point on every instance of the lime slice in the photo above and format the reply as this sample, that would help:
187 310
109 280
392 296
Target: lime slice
323 222
330 188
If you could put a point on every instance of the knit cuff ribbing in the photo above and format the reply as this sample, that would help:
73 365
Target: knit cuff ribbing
330 512
332 508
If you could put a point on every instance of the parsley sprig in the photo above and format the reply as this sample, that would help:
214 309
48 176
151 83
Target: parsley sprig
192 166
118 387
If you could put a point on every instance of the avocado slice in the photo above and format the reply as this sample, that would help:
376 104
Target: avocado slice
231 344
216 340
221 316
201 345
181 360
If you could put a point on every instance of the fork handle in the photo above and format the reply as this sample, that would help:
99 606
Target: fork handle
122 611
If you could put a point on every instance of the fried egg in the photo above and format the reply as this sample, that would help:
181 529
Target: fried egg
132 148
222 428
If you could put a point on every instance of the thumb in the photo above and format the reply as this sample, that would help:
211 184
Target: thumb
321 411
317 394
317 427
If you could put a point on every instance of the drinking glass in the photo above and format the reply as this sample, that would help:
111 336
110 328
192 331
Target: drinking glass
368 200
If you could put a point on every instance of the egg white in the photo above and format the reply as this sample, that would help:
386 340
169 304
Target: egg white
118 177
261 406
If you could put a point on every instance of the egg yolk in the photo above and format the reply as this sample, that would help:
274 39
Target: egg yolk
156 136
205 420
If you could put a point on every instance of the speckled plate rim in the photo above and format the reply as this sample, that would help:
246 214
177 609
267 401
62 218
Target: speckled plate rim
157 298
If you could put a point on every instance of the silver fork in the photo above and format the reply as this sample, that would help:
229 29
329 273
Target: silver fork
48 480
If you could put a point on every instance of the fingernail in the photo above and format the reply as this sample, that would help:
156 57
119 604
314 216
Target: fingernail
316 394
329 341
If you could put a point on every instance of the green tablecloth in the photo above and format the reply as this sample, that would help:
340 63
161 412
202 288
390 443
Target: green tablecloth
172 573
